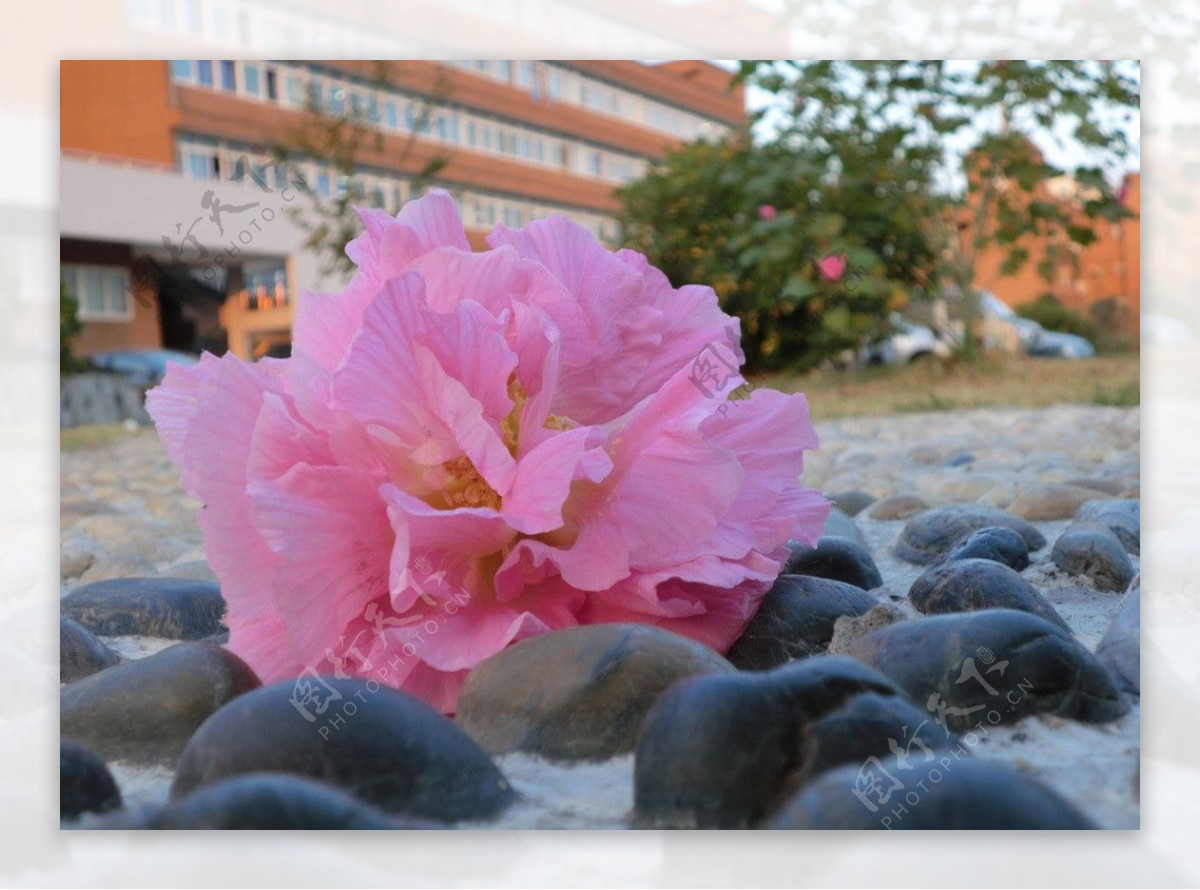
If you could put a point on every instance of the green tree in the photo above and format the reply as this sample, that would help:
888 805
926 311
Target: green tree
933 113
809 254
335 132
68 326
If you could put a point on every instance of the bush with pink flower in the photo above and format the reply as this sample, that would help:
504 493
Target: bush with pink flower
467 449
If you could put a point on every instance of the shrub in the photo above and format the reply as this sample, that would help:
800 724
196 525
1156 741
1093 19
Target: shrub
1048 311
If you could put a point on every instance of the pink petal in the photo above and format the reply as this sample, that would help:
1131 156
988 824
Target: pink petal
390 381
544 477
329 528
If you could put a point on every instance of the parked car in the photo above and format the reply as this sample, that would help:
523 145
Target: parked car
908 342
1057 344
140 367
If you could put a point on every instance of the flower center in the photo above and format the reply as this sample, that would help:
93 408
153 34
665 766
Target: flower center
465 487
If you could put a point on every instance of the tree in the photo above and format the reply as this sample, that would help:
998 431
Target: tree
931 113
68 326
811 258
335 133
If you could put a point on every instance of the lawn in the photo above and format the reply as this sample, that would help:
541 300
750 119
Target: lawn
996 380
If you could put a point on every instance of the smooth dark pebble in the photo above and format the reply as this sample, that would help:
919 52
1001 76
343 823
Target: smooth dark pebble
720 751
172 608
579 693
80 653
795 620
928 535
996 543
851 502
383 746
836 558
84 783
145 710
1090 549
995 665
943 793
969 585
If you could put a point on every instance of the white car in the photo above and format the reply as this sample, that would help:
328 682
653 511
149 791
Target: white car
909 342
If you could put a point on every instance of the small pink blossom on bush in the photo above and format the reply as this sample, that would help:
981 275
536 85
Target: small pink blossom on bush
832 267
766 212
467 449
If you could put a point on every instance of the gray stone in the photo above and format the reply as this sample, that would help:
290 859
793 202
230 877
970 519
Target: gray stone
951 793
1121 517
1011 664
144 711
80 653
266 801
841 525
383 746
1090 549
928 535
836 558
897 506
969 585
997 543
1051 501
579 693
796 620
84 783
720 751
851 502
174 608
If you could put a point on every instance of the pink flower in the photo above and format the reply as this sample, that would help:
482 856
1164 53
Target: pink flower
467 449
766 211
832 267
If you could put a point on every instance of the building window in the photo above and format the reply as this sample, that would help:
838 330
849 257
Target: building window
102 291
252 79
204 72
228 75
181 69
272 85
294 90
389 110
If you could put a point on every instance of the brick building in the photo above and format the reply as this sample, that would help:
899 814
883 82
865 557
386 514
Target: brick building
175 223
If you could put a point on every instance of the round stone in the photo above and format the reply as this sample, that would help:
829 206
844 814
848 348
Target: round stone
383 746
1050 501
84 783
720 751
270 801
145 710
1121 647
1003 545
928 535
897 506
579 693
80 654
968 585
1121 517
838 524
851 502
795 620
174 608
836 558
996 665
1090 549
940 792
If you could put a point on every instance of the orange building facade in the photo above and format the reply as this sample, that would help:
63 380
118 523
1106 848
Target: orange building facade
519 140
1107 269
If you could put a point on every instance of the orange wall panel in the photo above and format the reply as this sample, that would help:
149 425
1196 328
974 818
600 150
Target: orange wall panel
118 107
